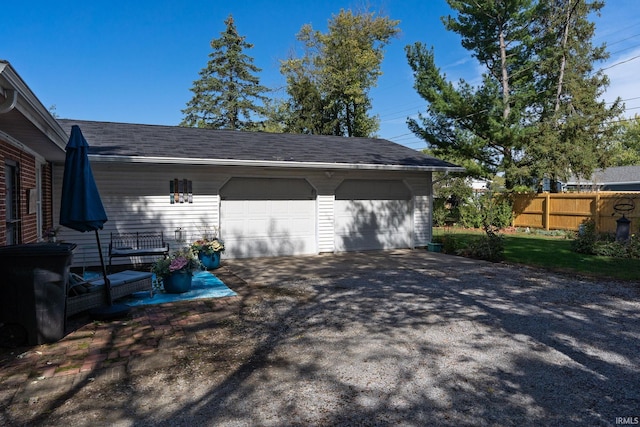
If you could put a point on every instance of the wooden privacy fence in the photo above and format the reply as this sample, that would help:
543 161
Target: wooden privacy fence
566 211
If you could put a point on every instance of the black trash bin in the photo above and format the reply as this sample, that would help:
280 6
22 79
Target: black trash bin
33 285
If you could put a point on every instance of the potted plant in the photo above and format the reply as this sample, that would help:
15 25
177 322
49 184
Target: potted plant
51 234
435 245
176 270
208 251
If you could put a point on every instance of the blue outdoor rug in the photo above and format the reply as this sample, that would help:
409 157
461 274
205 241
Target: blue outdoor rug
204 285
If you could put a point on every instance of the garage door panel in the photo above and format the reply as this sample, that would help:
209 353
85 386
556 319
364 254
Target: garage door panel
373 214
300 226
268 227
372 224
234 209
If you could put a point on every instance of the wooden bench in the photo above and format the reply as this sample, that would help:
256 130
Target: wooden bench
137 244
85 295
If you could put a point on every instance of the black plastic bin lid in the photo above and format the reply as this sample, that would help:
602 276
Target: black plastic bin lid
37 249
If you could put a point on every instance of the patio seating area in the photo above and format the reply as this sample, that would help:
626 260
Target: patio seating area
85 295
136 245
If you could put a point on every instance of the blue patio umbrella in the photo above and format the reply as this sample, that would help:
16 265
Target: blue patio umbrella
81 208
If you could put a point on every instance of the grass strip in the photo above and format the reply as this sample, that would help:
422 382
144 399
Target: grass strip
555 254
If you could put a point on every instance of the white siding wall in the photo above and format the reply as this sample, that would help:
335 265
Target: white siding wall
421 189
325 184
326 223
136 198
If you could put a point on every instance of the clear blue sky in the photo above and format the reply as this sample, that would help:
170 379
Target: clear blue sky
134 61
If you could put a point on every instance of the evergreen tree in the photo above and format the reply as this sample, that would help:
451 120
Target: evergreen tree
538 97
329 86
575 125
228 94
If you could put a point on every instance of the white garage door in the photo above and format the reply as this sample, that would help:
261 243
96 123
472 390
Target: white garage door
373 214
268 217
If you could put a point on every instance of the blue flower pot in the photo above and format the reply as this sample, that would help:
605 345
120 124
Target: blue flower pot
177 282
210 262
434 247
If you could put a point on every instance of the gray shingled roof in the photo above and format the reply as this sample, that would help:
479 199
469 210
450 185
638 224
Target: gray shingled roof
173 142
613 175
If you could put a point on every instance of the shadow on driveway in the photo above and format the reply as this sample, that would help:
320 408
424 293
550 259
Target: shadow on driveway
387 338
414 338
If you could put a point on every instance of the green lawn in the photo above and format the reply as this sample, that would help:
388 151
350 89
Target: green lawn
555 254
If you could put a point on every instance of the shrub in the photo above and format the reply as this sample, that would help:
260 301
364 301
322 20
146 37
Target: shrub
487 209
450 244
590 242
503 212
586 238
489 247
440 212
633 247
610 248
471 214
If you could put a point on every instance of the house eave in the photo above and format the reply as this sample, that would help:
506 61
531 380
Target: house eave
269 164
28 105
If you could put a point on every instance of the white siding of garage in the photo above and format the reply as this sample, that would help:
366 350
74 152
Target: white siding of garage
136 198
326 214
421 188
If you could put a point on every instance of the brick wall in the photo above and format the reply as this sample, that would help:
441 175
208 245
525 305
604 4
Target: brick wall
27 180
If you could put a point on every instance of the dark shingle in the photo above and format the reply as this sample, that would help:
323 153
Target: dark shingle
617 174
138 140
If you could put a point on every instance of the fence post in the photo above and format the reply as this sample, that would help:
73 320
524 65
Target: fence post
546 210
596 211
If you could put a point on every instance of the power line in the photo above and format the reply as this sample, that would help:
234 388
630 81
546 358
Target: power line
620 63
622 40
399 136
402 111
625 49
397 113
621 30
394 115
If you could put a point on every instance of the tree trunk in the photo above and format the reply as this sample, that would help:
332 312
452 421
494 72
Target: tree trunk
563 61
505 77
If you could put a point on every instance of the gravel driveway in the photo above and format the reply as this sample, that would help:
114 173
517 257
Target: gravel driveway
448 343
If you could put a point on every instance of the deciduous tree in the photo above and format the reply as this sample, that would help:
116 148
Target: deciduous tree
626 145
329 85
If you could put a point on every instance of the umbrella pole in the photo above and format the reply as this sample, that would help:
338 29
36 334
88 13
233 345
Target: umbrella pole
111 310
107 284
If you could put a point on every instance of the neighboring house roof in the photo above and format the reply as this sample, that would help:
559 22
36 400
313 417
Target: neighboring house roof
24 121
172 144
614 175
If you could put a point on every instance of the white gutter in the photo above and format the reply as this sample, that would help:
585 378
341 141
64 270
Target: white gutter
11 98
29 105
266 163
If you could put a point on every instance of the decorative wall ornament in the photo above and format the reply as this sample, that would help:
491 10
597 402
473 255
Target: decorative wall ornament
180 191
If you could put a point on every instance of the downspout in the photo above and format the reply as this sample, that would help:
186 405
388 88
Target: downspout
446 174
9 103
